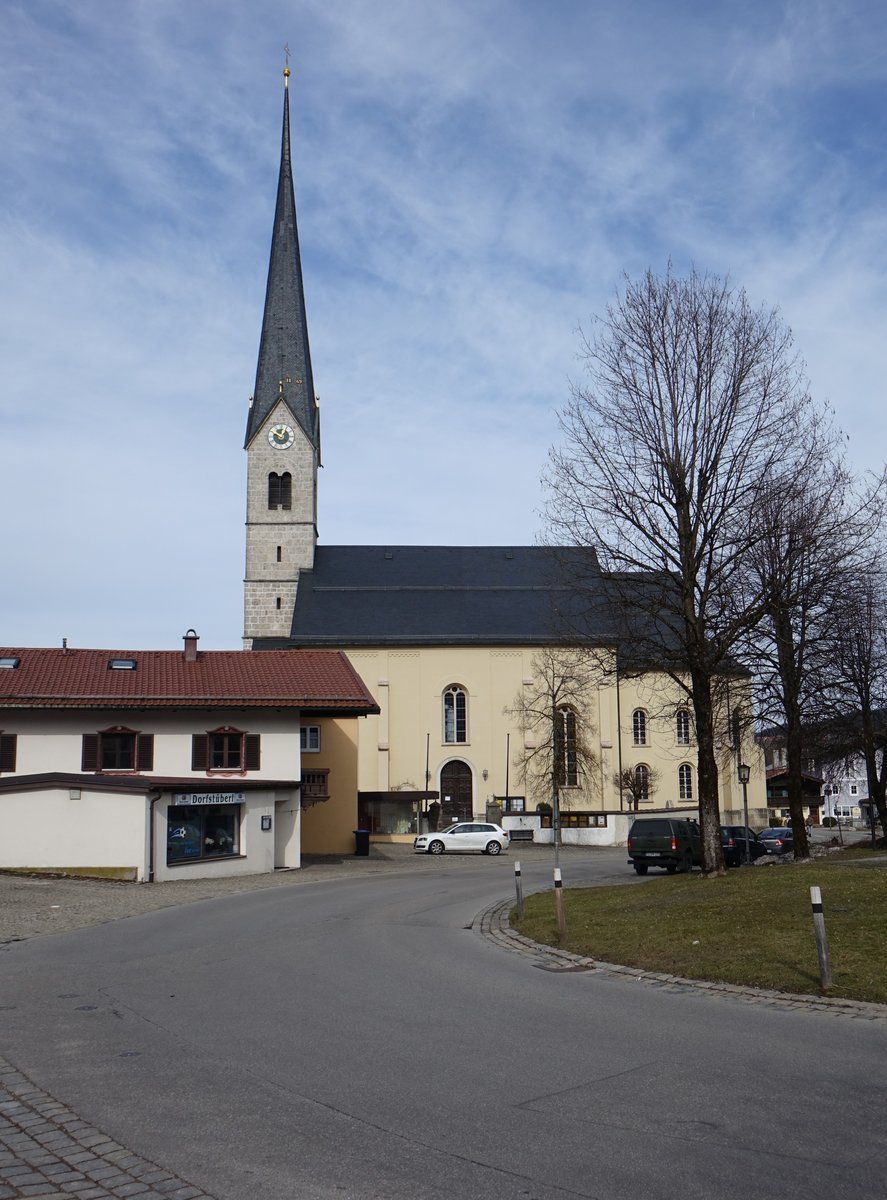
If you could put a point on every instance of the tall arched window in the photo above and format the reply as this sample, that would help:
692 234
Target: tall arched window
455 714
566 758
642 782
280 490
682 727
685 781
639 727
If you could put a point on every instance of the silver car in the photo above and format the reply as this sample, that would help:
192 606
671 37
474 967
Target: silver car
480 836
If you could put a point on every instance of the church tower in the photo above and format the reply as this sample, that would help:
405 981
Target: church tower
282 431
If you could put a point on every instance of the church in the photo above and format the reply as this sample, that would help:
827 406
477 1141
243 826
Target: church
484 696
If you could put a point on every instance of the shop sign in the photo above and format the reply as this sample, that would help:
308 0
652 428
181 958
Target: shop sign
210 798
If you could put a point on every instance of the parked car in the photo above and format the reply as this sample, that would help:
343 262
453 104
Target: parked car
778 841
733 841
665 842
481 836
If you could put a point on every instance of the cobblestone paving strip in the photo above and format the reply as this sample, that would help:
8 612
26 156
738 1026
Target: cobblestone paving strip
48 1153
493 923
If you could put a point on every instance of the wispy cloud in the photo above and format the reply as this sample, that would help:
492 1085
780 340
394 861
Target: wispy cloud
472 182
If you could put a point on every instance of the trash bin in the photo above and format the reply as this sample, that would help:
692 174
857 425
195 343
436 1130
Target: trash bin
362 843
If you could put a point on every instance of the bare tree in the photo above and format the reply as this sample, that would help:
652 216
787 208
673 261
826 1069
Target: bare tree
638 784
553 716
690 394
812 528
860 675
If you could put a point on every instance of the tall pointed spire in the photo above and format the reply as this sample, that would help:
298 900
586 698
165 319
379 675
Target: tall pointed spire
284 367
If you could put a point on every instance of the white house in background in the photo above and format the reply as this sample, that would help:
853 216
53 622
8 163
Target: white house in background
151 765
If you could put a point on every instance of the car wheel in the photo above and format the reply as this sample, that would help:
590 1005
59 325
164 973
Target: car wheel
671 868
435 847
687 864
640 868
493 848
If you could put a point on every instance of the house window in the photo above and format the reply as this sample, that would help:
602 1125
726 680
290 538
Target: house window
280 490
309 736
197 832
455 714
225 749
682 727
513 804
685 781
566 764
8 744
639 727
315 787
117 749
854 790
642 782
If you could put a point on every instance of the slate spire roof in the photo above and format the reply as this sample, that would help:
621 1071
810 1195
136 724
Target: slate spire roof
284 367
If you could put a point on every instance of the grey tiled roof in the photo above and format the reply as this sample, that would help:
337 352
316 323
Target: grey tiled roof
284 353
445 595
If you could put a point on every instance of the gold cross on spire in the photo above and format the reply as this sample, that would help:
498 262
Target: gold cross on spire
286 69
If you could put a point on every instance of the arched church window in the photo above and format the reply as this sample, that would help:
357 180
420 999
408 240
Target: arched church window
280 490
685 781
639 727
455 714
567 767
642 782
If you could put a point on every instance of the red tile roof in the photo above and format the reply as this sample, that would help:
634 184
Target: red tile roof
315 680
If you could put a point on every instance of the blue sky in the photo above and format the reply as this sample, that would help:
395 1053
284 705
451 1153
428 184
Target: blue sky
473 178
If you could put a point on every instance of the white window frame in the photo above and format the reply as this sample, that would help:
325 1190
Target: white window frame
305 739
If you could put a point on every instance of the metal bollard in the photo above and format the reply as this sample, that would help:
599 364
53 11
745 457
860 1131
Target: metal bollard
825 971
559 906
519 888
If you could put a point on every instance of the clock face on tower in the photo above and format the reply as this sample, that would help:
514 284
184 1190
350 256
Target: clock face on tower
281 436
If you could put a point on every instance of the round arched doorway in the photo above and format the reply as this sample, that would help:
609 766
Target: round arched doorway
456 793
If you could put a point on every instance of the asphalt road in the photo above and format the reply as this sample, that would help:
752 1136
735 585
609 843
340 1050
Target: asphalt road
357 1037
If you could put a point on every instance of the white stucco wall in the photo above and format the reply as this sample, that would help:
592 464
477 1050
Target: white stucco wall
64 828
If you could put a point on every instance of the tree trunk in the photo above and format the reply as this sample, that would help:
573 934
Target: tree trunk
707 771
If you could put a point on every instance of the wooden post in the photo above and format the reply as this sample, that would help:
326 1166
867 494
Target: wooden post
825 971
520 892
559 907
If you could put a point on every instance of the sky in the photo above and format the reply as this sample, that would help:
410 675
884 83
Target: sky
474 181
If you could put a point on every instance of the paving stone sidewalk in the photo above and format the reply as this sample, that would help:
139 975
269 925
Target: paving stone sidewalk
48 1153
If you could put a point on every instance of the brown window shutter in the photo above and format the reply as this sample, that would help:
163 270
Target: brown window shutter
252 752
89 756
199 760
7 751
145 752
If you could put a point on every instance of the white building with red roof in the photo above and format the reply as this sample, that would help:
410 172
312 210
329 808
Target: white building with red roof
159 764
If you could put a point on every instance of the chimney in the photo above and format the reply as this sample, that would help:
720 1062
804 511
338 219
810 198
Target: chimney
191 640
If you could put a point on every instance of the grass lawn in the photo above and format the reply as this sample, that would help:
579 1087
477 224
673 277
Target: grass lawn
752 926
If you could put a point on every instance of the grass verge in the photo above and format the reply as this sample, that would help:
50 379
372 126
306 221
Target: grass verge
752 926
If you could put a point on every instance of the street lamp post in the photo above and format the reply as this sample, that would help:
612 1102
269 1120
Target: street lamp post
744 775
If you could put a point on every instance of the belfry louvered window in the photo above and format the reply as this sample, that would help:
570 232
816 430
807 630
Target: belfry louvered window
280 490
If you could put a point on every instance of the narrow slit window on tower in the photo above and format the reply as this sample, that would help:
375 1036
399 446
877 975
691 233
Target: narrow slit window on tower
278 602
280 490
279 553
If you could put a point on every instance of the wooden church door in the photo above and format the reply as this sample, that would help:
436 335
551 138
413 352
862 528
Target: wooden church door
456 793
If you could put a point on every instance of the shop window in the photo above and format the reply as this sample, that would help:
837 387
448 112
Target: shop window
567 770
8 745
513 804
386 812
225 749
455 714
576 820
117 749
196 832
310 739
685 781
682 727
639 727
